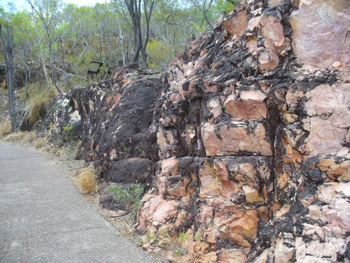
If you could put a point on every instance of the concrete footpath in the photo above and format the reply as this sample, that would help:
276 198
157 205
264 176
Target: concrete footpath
43 218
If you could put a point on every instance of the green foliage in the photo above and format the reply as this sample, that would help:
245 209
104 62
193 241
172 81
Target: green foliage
129 195
197 238
225 5
160 53
178 250
197 27
142 151
67 128
81 34
161 239
178 254
164 233
66 135
182 237
125 150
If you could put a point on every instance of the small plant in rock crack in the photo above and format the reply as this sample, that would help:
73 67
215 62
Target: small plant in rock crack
129 195
66 137
126 151
182 237
142 151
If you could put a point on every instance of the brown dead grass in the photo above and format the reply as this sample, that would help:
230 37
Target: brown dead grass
40 142
15 136
5 128
30 137
38 107
3 84
86 181
25 137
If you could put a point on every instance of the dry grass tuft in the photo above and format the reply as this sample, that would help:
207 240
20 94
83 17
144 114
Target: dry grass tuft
3 84
5 128
15 136
40 142
30 137
27 138
75 148
38 108
86 181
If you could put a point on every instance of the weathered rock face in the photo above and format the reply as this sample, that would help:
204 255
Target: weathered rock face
254 146
127 114
113 120
322 32
65 118
245 148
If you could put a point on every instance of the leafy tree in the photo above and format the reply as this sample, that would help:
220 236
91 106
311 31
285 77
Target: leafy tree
204 6
26 47
47 12
225 6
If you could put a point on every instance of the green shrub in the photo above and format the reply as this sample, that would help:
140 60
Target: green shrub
129 195
160 53
226 6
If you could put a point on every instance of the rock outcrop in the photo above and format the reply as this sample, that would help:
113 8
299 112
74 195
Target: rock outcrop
243 143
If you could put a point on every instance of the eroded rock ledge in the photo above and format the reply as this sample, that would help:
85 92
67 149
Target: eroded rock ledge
243 143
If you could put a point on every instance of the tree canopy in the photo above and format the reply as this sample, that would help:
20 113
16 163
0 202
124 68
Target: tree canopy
56 42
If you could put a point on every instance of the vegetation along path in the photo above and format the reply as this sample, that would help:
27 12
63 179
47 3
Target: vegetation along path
43 218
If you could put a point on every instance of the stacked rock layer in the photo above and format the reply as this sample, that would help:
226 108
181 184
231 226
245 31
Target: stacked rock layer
244 143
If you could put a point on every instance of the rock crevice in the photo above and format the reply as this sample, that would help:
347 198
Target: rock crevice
244 142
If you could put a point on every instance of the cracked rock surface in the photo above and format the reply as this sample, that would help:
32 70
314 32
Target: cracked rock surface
243 143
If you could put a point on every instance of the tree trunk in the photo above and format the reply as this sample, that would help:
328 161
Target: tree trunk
137 43
134 9
7 43
53 77
11 97
45 72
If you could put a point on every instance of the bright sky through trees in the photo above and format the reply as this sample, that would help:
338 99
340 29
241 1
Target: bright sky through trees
22 4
